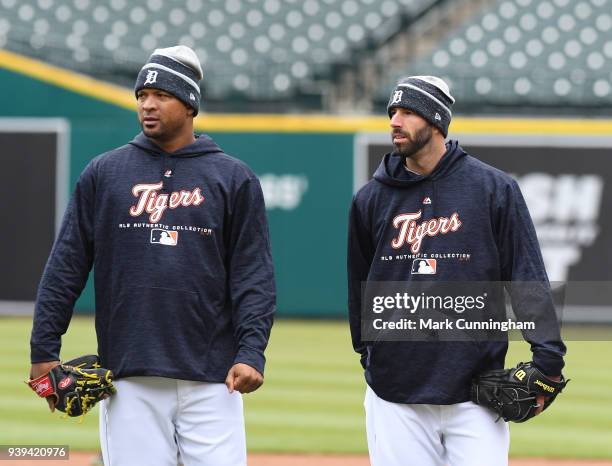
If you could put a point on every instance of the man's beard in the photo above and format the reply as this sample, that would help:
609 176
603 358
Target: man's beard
163 132
151 133
421 139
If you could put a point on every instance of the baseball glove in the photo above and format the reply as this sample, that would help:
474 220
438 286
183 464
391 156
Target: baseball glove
76 385
512 393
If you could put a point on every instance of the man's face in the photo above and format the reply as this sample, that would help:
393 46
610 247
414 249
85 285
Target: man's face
409 131
161 115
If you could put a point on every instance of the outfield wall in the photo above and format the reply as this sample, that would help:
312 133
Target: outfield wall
309 167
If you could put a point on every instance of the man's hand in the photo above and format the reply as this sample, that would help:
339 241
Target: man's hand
243 378
540 399
41 368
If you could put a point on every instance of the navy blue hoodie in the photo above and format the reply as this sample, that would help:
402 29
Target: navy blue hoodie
487 236
184 284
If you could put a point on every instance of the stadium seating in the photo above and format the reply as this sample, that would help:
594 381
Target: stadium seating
526 52
260 49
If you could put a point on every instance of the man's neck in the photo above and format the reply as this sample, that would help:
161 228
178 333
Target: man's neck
178 142
425 161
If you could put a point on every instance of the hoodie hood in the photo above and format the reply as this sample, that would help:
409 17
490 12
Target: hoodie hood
392 171
203 145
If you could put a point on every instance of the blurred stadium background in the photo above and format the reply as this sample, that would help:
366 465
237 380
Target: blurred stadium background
297 89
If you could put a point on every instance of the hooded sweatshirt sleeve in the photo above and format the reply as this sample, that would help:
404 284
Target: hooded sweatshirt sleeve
251 275
65 273
359 258
526 280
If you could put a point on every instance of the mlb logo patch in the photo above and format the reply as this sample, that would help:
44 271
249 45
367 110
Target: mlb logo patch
165 237
424 267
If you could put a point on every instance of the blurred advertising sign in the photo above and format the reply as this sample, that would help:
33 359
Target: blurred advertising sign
283 191
307 184
34 188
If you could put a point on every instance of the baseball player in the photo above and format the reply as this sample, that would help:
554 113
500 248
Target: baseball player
429 198
177 234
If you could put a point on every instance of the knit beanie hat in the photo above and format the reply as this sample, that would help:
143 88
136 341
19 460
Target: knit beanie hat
175 70
427 96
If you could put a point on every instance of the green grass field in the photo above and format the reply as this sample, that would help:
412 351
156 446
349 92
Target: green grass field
312 400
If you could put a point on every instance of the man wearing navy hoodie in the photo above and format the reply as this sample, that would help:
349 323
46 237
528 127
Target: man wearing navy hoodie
177 234
429 199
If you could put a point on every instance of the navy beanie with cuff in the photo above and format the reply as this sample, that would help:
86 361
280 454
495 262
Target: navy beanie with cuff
427 96
175 70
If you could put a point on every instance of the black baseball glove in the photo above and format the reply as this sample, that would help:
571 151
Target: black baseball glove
512 393
76 385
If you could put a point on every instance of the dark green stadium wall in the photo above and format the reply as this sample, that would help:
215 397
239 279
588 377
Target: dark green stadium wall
308 241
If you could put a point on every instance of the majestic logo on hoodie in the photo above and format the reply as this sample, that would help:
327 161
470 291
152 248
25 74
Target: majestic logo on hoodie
155 203
412 233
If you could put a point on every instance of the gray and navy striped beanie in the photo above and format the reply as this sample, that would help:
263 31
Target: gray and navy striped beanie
428 96
175 70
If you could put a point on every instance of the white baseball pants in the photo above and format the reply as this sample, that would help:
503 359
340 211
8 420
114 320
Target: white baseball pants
152 421
463 434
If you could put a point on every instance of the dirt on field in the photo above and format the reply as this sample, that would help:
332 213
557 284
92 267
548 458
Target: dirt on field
261 459
353 460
